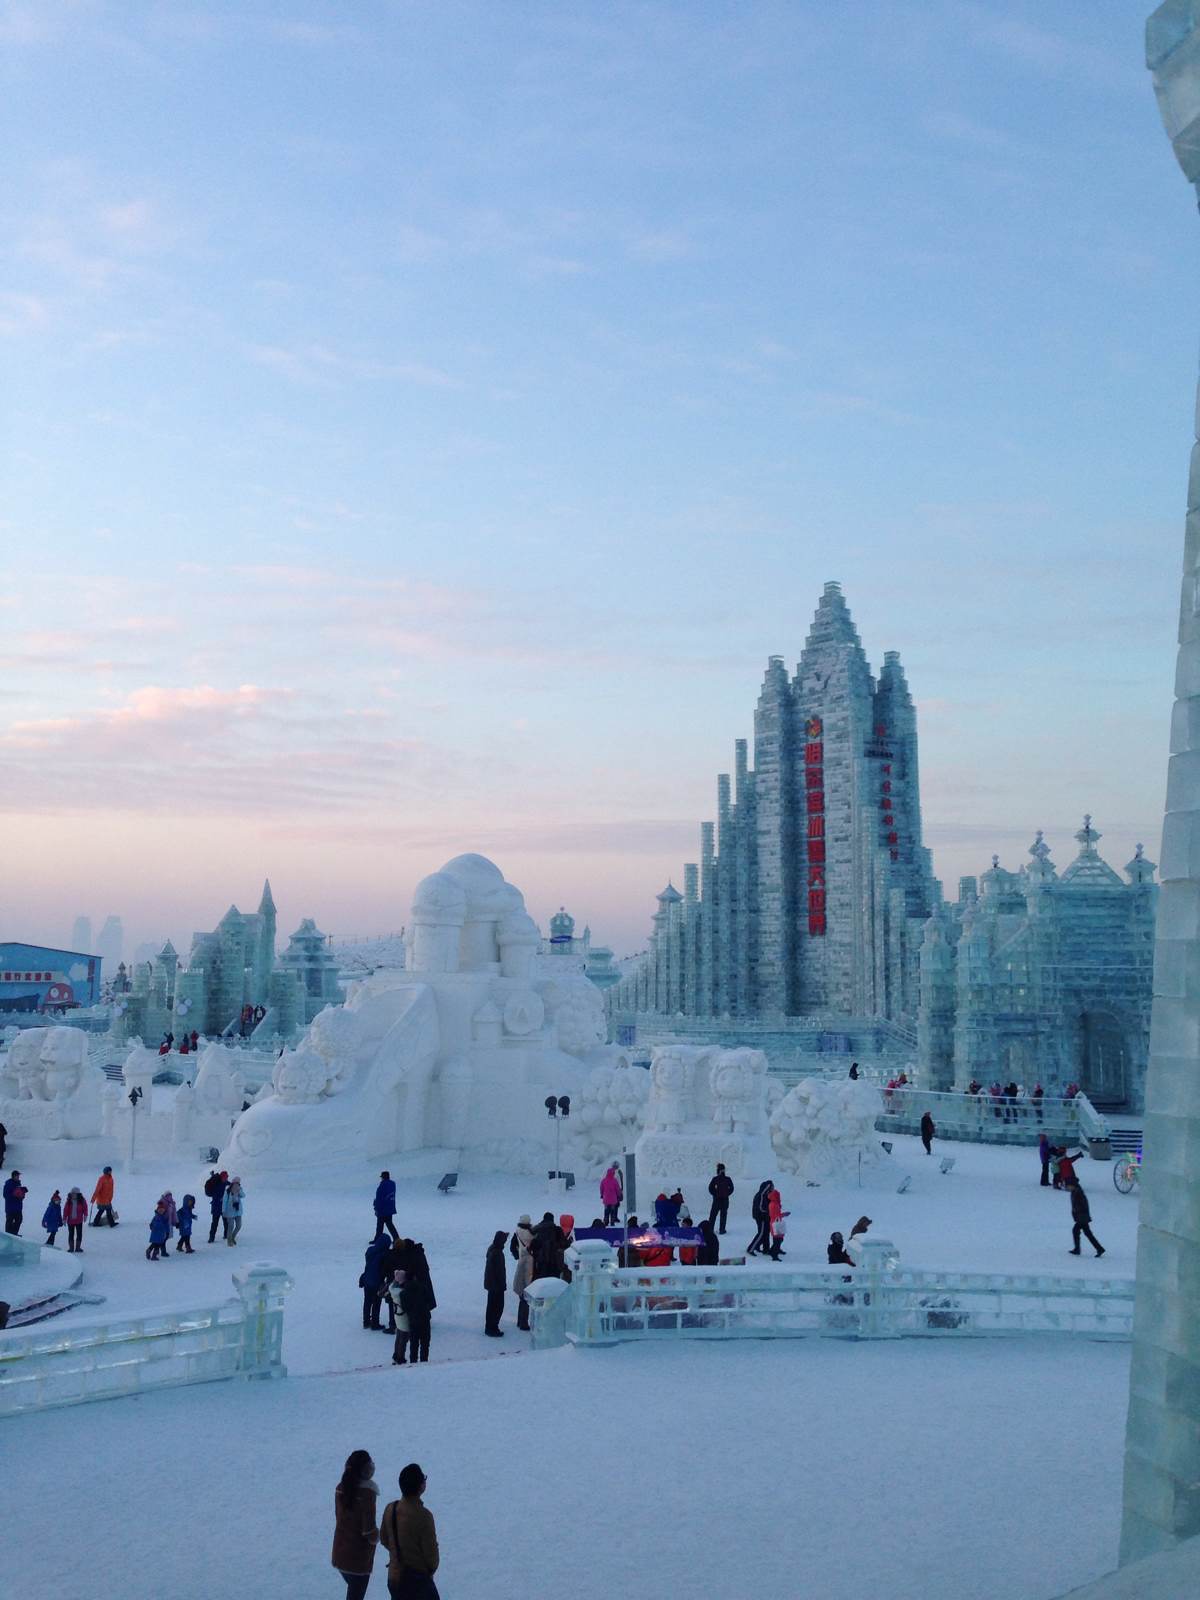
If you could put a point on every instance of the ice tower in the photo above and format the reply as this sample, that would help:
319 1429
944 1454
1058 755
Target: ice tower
1162 1452
811 898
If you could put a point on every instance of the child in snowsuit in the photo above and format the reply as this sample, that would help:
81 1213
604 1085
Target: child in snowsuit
184 1218
52 1217
160 1232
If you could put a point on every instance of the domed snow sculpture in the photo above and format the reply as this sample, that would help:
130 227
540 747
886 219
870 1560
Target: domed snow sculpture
456 1052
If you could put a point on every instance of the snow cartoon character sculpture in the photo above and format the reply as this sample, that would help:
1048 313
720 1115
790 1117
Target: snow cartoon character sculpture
59 1094
734 1086
456 1052
670 1082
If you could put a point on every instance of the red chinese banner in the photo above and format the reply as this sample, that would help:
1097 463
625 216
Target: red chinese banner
814 801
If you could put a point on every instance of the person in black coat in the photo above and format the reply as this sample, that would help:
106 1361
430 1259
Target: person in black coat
215 1186
1081 1219
709 1253
548 1248
416 1302
927 1132
762 1219
720 1186
495 1281
836 1251
373 1280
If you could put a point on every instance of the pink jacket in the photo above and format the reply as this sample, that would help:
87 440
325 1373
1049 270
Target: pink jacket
610 1188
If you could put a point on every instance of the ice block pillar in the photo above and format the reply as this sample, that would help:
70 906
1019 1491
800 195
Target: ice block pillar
1162 1446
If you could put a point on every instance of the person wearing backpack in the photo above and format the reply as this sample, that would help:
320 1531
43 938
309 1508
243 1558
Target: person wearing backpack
214 1188
409 1535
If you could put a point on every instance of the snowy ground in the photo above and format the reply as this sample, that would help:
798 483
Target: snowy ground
987 1468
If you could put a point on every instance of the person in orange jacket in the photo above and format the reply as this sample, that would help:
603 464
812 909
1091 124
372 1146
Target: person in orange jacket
102 1199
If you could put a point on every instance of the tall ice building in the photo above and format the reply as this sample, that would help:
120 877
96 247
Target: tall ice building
811 898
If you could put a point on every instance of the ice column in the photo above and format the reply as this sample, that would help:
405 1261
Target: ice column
1162 1449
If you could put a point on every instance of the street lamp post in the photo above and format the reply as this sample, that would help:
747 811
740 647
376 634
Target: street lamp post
559 1108
135 1094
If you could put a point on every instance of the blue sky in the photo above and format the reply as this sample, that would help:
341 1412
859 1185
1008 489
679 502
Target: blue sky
421 421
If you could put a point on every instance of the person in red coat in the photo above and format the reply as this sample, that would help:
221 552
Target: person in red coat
775 1218
75 1215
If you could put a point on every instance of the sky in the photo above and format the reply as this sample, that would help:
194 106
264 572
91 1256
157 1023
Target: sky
419 422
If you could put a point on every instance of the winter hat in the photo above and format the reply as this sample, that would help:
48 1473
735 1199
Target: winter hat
523 1220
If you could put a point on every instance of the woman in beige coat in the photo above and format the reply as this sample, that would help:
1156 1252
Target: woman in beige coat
521 1241
356 1533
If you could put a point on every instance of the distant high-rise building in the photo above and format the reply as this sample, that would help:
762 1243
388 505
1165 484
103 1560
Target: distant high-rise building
110 942
81 935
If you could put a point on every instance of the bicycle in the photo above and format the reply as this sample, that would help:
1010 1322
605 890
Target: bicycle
1127 1173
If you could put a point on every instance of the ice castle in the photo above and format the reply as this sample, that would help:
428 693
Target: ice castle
1037 976
813 897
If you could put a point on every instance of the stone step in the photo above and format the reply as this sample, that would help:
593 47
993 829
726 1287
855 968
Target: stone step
1125 1141
40 1310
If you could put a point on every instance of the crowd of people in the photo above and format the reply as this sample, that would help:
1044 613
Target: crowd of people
226 1196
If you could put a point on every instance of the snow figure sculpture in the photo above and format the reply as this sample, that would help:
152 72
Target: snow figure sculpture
706 1105
670 1082
823 1130
735 1090
456 1052
610 1115
58 1091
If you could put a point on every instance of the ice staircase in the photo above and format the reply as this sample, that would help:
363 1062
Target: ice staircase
36 1283
1125 1141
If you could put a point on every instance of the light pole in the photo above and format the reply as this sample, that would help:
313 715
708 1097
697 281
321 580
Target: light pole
135 1094
559 1108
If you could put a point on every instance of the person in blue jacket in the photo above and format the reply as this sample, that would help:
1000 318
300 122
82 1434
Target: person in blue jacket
385 1206
666 1210
160 1232
185 1216
372 1281
52 1217
14 1203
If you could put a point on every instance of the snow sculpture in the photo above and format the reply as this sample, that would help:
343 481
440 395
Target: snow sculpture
610 1114
217 1092
300 1077
704 1105
138 1069
48 1087
454 1052
670 1083
823 1130
735 1087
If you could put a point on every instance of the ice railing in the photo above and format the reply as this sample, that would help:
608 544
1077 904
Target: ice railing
64 1366
878 1299
955 1112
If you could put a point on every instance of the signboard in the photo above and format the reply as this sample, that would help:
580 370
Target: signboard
37 978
